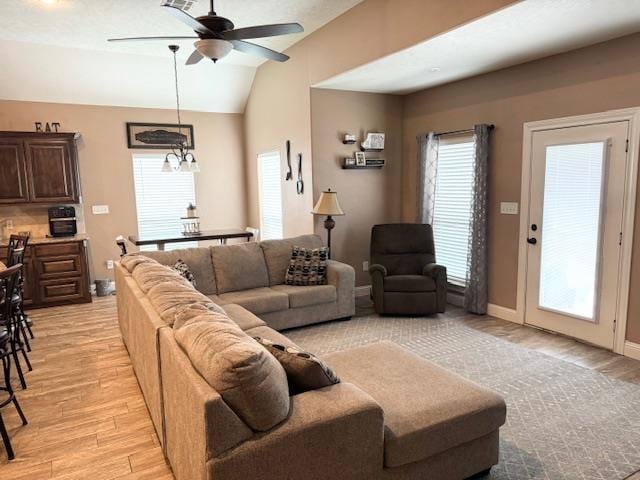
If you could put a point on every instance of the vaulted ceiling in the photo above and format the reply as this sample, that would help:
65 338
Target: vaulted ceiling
58 51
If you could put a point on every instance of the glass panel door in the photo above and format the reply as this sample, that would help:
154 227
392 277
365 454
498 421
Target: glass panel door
570 236
576 200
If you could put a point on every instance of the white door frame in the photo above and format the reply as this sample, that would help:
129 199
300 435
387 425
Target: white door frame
632 115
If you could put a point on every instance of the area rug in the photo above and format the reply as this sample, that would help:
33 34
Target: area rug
564 422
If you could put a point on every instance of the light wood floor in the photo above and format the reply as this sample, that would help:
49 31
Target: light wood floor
88 418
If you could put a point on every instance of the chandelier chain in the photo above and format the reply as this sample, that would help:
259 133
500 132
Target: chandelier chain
175 71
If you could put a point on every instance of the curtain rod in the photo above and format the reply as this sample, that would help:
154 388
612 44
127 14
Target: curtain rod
453 132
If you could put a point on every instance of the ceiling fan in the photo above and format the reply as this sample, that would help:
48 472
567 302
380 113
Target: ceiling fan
216 36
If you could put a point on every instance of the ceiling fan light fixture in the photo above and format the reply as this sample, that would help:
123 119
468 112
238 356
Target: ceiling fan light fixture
213 48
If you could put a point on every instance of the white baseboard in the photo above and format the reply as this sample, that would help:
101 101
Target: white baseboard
632 350
504 313
363 291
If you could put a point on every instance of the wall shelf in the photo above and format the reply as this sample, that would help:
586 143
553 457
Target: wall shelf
356 167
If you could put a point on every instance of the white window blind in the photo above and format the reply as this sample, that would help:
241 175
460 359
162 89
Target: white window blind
271 224
161 199
452 210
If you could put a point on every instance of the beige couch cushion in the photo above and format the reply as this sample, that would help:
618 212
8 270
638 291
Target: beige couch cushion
427 409
132 260
270 334
256 300
239 267
277 254
168 297
191 312
249 379
198 260
243 317
148 275
304 296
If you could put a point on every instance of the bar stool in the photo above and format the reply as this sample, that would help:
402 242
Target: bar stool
11 318
16 250
8 282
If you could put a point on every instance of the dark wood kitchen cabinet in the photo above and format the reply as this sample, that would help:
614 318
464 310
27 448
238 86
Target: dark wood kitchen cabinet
56 273
39 168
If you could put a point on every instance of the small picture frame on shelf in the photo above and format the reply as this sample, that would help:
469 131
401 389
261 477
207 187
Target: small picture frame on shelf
360 159
349 162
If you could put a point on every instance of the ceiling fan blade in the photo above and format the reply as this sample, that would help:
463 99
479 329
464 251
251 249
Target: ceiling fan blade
262 31
195 57
142 39
259 50
187 19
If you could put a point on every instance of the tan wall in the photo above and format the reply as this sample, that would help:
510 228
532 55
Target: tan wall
106 167
594 79
279 105
368 197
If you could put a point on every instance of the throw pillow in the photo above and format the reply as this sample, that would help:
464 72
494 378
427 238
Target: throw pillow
304 370
183 269
308 266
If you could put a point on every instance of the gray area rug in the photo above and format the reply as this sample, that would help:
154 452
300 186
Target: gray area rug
564 422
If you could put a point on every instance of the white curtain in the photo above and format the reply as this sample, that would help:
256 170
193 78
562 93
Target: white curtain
427 170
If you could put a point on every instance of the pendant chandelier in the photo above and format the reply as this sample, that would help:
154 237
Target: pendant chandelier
180 149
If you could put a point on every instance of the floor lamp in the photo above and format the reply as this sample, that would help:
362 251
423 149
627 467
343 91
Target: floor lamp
328 205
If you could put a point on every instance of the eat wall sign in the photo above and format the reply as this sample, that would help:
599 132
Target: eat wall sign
48 127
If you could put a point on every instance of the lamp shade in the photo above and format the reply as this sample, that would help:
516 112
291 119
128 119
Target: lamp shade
328 204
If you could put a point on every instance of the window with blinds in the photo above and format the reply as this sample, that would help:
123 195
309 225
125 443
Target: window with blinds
269 180
161 199
452 210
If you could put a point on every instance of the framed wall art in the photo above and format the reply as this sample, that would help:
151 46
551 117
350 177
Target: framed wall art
159 135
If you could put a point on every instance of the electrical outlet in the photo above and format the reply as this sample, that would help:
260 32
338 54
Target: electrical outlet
365 266
509 208
9 223
109 264
100 209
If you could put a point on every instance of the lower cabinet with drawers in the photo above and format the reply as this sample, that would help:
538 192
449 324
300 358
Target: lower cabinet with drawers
56 274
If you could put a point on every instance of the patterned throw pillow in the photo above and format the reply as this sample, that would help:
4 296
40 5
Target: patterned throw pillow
183 269
304 370
308 266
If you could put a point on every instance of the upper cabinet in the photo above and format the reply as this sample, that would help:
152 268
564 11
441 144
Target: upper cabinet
13 172
38 168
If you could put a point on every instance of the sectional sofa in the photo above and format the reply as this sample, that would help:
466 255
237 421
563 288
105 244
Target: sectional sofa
393 415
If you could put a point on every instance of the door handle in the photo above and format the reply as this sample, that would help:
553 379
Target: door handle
532 241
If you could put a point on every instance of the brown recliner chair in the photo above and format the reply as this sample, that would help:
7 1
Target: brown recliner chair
404 276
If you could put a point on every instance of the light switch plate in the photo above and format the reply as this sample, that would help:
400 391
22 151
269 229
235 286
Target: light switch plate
509 208
365 266
100 209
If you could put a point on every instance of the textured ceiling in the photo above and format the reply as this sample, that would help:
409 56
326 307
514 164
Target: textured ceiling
87 24
525 31
59 53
